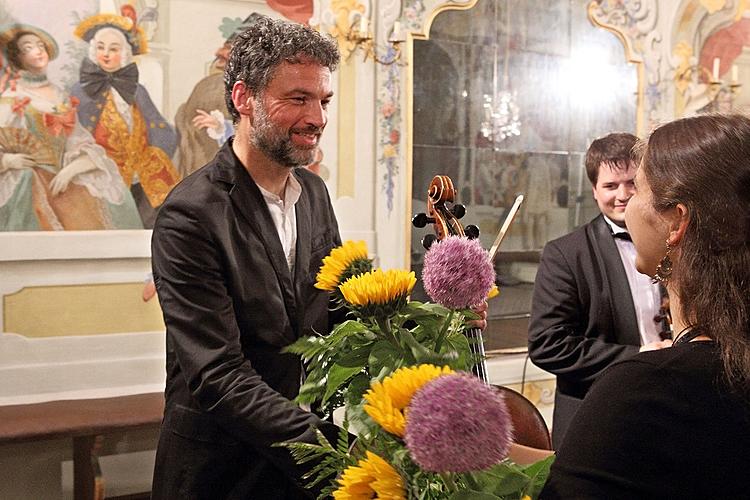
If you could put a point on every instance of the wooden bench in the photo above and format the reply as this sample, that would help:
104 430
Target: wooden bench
82 420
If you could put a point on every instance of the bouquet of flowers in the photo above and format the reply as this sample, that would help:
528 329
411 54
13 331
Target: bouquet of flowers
400 371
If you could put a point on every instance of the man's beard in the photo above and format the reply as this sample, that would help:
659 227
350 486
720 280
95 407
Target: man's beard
277 144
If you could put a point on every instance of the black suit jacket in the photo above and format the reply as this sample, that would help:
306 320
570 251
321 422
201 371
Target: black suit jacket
230 305
582 315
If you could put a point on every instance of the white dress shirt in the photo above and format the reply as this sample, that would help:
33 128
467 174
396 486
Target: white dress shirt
284 217
646 295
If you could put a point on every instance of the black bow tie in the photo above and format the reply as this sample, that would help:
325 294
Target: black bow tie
96 81
623 235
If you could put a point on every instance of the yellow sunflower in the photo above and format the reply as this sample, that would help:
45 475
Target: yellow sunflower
378 290
372 477
387 400
343 262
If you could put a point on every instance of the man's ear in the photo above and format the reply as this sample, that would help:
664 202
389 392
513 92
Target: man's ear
679 217
242 98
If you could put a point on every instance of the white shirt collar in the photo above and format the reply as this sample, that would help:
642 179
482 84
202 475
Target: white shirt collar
292 192
615 228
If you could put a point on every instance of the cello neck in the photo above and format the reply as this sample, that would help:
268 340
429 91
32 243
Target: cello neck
476 346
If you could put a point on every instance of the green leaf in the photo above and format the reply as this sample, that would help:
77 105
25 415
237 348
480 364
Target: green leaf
421 353
357 388
538 472
337 376
539 467
349 327
356 358
472 495
502 479
383 355
416 309
469 314
310 392
327 460
306 347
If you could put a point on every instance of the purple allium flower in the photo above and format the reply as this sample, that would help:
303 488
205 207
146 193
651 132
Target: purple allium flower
457 272
455 423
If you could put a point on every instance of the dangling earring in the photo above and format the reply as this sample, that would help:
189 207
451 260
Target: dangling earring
664 269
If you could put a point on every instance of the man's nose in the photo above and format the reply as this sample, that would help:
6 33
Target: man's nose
316 115
624 192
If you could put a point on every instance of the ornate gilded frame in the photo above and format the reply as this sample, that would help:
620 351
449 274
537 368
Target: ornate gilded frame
422 33
623 22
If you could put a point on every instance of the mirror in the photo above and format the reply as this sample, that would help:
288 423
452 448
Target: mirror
507 96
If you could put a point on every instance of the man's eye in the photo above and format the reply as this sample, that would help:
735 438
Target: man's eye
324 104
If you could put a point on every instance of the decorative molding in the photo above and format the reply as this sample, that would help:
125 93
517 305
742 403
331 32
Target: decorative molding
388 109
389 102
74 245
339 18
36 370
83 309
634 23
713 5
394 92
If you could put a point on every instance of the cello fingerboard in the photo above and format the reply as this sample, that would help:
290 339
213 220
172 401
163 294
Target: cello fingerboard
476 345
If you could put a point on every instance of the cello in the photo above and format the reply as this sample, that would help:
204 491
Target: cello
444 219
530 428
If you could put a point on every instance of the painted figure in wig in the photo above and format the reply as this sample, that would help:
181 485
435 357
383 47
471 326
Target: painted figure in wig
119 112
53 175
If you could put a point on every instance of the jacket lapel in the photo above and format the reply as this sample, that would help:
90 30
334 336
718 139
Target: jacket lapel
616 280
303 248
248 201
304 237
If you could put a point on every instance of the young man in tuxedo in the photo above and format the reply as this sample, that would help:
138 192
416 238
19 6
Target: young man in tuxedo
590 306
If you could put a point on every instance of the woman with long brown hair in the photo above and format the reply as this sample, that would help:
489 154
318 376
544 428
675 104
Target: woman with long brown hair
675 423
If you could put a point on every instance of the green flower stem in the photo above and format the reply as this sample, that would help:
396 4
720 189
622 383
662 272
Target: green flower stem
472 481
449 482
443 331
385 327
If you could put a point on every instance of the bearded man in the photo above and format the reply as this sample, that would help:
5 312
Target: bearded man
236 248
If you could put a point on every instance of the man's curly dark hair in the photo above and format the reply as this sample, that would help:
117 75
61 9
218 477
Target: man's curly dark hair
261 47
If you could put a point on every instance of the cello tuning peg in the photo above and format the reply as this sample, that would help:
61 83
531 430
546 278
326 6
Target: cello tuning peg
471 231
458 211
428 240
421 220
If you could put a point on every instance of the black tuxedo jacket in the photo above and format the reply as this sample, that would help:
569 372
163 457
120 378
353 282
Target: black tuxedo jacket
582 315
230 305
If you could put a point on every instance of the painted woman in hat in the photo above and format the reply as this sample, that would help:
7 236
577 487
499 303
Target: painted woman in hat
119 113
53 175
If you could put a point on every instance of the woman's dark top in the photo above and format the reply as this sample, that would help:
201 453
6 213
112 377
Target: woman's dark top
661 424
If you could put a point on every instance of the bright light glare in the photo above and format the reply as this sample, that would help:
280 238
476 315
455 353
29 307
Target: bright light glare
589 79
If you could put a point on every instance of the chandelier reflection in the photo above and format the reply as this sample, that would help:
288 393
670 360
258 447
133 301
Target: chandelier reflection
501 118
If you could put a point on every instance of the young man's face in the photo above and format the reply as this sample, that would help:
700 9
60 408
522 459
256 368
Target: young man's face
290 114
614 188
